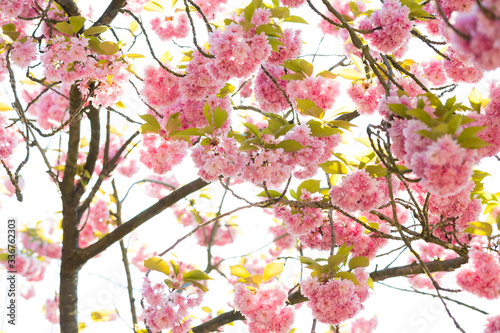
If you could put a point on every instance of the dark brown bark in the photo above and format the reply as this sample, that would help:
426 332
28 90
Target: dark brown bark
68 298
110 13
69 7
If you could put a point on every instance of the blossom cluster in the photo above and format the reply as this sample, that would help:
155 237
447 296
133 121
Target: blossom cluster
264 308
395 26
336 300
168 309
481 275
8 141
237 54
94 223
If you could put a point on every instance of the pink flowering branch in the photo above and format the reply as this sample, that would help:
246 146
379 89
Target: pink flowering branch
445 19
296 297
139 22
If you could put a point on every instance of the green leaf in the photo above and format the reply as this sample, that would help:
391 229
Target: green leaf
77 23
153 6
342 124
479 228
454 124
347 276
254 129
207 112
196 275
399 109
102 315
309 108
307 260
468 132
280 12
96 30
271 270
475 99
310 185
420 115
248 12
226 90
274 42
135 56
306 67
289 146
65 28
267 29
176 267
11 31
293 65
334 167
220 117
109 48
327 74
295 19
255 279
335 260
473 142
148 128
376 170
157 264
197 284
319 129
4 107
173 122
272 193
358 262
239 271
283 130
294 76
349 74
150 119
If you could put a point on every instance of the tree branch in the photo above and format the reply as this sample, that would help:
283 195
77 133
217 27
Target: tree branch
110 13
69 7
295 298
129 226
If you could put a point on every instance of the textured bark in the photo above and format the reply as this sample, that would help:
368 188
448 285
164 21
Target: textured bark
110 13
68 294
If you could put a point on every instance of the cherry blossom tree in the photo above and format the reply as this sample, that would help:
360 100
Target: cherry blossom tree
269 120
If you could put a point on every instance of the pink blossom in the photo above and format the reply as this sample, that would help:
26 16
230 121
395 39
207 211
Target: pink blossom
444 167
395 26
51 309
481 275
365 98
460 69
162 155
8 141
265 309
492 325
320 90
362 325
23 54
171 27
358 191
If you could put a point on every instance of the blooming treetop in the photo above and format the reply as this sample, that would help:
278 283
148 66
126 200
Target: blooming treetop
239 97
